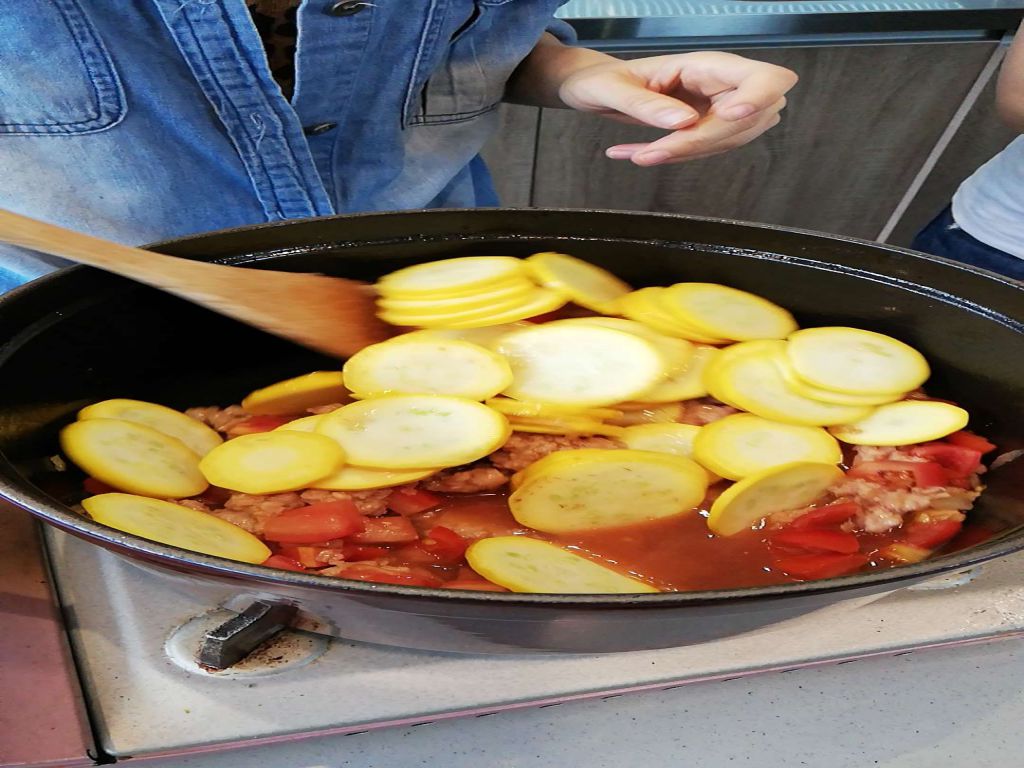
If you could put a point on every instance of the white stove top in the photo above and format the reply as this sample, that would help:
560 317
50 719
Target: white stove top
146 698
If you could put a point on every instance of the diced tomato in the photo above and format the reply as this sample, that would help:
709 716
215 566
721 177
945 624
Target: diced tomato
817 540
821 566
256 424
304 555
926 474
356 552
476 585
412 501
957 460
317 522
385 530
406 576
94 487
445 543
282 562
966 439
827 516
931 534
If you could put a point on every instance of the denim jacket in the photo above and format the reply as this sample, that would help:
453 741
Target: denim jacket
139 120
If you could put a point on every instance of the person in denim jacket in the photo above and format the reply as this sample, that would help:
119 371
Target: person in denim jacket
148 119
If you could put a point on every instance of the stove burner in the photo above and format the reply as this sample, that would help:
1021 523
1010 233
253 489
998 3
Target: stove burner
240 635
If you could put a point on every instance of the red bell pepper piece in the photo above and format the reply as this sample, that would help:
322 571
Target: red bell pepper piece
827 516
315 523
821 566
931 534
817 540
966 439
355 552
284 563
385 530
957 460
926 474
412 501
404 575
444 543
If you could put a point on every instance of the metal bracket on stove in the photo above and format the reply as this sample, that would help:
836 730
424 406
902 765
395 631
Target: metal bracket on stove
239 636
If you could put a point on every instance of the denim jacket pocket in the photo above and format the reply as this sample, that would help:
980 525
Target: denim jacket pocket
468 79
56 76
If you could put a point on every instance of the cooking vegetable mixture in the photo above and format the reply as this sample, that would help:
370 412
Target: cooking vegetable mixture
546 428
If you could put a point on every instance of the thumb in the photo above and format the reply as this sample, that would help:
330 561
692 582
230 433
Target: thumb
637 100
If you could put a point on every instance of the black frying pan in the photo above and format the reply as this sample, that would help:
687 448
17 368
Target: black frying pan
81 335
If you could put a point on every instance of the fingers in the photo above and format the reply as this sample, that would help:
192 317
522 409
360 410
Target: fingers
634 98
711 136
759 90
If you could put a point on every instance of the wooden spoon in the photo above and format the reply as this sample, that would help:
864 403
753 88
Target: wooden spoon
328 314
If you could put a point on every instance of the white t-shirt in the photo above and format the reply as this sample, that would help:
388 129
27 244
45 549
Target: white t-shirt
989 205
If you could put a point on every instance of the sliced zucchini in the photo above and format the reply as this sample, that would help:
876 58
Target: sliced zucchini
589 489
196 436
676 352
294 396
801 387
305 424
647 413
742 444
856 362
662 438
484 336
904 423
566 425
524 564
746 377
511 407
350 478
727 313
687 383
133 457
790 486
539 302
416 431
584 283
447 306
578 365
461 276
645 306
272 462
513 309
178 526
428 367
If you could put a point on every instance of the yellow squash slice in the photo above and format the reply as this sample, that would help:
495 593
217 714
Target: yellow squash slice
675 352
567 364
535 301
428 367
178 526
662 438
193 433
484 336
588 489
647 413
524 564
566 425
272 462
133 457
801 387
511 407
539 302
448 306
305 424
687 383
727 313
416 431
856 362
644 306
449 278
904 423
790 486
294 396
352 478
742 444
746 377
586 284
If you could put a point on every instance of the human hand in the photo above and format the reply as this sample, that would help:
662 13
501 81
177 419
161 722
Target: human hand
711 101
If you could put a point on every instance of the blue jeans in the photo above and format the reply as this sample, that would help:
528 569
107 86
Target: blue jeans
943 237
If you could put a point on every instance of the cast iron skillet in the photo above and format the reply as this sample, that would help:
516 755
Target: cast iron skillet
81 335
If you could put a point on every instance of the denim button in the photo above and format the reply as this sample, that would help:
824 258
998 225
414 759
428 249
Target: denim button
346 7
316 130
